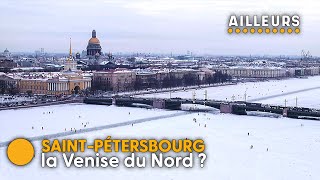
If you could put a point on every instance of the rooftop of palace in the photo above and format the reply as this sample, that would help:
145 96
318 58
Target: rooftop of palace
44 76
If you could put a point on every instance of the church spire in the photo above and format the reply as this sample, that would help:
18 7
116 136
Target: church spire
70 65
70 50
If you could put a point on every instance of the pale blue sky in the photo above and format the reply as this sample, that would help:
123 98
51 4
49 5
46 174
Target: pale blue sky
160 26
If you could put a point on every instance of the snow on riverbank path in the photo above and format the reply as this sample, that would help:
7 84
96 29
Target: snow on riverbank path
283 94
109 126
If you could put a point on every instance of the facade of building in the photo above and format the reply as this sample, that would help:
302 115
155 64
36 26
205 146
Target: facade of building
251 72
94 47
114 80
8 83
146 79
70 64
33 85
307 71
6 64
69 81
161 76
63 84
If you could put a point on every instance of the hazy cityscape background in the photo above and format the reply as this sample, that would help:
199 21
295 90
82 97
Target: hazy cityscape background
152 26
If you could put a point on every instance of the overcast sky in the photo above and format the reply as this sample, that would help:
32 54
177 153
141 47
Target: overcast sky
160 26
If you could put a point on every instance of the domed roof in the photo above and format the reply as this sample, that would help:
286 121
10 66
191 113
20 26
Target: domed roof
94 40
6 51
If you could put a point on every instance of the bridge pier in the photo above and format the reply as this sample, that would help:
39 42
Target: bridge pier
159 104
285 112
226 108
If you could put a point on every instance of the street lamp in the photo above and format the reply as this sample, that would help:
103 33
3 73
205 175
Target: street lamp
245 95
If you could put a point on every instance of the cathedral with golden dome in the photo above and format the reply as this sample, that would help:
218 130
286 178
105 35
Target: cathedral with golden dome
94 47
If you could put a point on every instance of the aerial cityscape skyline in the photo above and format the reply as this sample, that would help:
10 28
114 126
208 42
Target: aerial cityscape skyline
157 27
180 89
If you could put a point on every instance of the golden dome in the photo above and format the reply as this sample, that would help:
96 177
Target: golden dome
94 40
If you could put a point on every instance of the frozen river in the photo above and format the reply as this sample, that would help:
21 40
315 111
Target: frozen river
292 92
293 145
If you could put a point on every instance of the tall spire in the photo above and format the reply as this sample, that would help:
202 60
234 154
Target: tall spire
70 53
70 65
70 50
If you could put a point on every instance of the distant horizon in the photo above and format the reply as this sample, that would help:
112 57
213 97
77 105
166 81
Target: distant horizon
168 54
160 26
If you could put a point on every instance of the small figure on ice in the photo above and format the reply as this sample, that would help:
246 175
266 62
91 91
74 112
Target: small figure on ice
251 147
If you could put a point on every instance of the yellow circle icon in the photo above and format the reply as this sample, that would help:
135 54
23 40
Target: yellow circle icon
245 30
252 30
267 30
20 152
230 30
289 30
297 30
282 30
260 30
238 30
274 30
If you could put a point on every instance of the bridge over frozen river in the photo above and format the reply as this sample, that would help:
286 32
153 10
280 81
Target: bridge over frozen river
234 107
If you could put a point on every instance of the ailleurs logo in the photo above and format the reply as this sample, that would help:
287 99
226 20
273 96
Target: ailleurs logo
264 24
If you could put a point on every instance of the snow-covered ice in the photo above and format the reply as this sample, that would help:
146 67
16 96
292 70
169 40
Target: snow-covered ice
61 118
283 148
256 90
292 147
